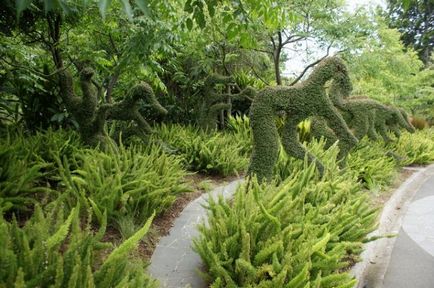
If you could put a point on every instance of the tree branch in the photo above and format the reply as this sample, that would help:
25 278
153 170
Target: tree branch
311 65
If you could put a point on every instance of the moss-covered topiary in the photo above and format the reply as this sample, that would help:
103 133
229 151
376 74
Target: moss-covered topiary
299 102
319 128
214 102
128 109
367 116
91 117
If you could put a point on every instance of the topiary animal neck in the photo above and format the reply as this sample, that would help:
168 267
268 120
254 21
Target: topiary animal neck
328 69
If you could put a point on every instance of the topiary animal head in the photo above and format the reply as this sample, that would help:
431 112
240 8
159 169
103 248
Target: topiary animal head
397 117
333 68
86 74
407 120
143 91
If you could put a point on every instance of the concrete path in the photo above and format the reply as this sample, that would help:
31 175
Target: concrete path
174 263
405 261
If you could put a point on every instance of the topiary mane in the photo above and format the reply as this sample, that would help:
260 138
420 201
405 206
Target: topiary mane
299 102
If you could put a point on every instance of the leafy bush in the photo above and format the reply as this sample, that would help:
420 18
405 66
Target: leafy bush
27 172
372 164
130 181
19 179
51 251
416 148
212 153
240 128
302 233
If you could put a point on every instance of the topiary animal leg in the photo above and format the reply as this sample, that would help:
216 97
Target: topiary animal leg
395 130
319 128
361 125
294 148
372 134
338 125
381 127
265 144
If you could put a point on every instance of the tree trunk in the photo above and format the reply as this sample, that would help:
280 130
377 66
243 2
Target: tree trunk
276 60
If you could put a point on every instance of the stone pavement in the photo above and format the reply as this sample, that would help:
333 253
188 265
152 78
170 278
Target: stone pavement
405 261
174 263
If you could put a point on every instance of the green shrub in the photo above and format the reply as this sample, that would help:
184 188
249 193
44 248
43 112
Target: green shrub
51 251
20 179
302 233
416 148
132 181
27 171
372 164
240 128
286 165
207 152
23 173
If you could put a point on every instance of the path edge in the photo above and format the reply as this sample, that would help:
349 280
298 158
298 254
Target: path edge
376 255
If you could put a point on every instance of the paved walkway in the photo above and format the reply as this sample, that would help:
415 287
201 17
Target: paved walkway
174 263
406 261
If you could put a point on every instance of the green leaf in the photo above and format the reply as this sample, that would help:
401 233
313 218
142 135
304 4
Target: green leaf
21 5
200 18
129 244
189 24
103 6
211 9
143 5
127 8
187 7
60 234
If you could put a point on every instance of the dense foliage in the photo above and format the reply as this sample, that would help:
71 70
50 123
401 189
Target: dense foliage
303 230
75 205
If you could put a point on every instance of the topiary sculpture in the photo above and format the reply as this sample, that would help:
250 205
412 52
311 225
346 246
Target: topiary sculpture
365 116
214 102
128 109
299 102
91 117
399 119
319 128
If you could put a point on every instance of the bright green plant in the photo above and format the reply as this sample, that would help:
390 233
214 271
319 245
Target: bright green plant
373 165
207 152
131 181
240 127
298 234
21 182
417 148
51 250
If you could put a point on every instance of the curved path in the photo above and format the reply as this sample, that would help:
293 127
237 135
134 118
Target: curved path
174 263
405 261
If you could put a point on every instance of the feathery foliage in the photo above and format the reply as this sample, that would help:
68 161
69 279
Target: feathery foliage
298 234
49 251
417 148
133 181
207 152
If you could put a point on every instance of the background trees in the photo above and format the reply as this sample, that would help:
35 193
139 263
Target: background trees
174 45
415 20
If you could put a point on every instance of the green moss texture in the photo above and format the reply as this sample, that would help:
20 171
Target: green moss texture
299 102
